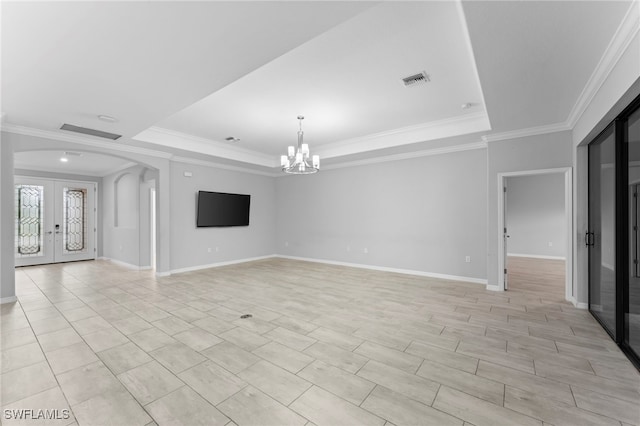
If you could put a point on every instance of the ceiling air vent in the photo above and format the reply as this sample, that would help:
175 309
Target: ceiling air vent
416 79
92 132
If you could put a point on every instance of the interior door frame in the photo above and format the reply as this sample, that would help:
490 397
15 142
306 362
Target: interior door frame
570 290
94 206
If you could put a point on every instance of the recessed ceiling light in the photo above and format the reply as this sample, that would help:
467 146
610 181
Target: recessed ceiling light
107 118
467 105
64 159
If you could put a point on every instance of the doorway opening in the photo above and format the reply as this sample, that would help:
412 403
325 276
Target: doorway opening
535 231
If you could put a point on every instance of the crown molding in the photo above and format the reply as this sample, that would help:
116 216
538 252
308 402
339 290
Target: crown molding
48 134
457 126
531 131
409 155
127 165
197 162
620 42
173 139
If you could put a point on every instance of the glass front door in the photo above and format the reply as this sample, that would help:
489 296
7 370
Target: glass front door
602 229
55 221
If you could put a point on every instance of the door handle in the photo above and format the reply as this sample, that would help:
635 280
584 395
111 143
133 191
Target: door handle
589 239
49 233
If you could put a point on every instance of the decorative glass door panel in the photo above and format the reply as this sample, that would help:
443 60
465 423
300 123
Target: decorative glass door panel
55 221
30 209
74 222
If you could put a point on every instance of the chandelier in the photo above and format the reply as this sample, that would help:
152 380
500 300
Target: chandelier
296 161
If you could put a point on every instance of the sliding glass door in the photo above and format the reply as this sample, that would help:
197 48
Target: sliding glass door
601 237
614 230
632 291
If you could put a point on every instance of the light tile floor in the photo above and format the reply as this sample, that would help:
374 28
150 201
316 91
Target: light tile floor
326 345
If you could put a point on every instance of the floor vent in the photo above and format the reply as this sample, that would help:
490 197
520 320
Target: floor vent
91 132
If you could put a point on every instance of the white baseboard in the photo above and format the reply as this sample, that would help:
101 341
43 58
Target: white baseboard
125 264
387 269
537 256
10 299
494 288
214 265
582 305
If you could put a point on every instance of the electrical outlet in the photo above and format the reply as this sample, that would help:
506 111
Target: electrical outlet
467 259
286 243
209 250
348 248
217 249
550 243
366 250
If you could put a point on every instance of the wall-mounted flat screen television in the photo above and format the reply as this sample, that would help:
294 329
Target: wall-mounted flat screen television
217 209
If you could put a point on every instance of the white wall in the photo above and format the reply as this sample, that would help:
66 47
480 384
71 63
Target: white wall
536 215
189 247
423 214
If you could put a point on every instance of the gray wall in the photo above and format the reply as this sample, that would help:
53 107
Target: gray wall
536 215
121 215
189 245
423 214
538 152
7 218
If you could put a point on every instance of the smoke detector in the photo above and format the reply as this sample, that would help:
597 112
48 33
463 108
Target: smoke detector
416 79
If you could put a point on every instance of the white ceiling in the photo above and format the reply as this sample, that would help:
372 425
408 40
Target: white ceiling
182 76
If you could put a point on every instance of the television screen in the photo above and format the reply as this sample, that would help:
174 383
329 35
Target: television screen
220 209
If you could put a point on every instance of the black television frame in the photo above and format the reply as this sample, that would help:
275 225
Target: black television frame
200 223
